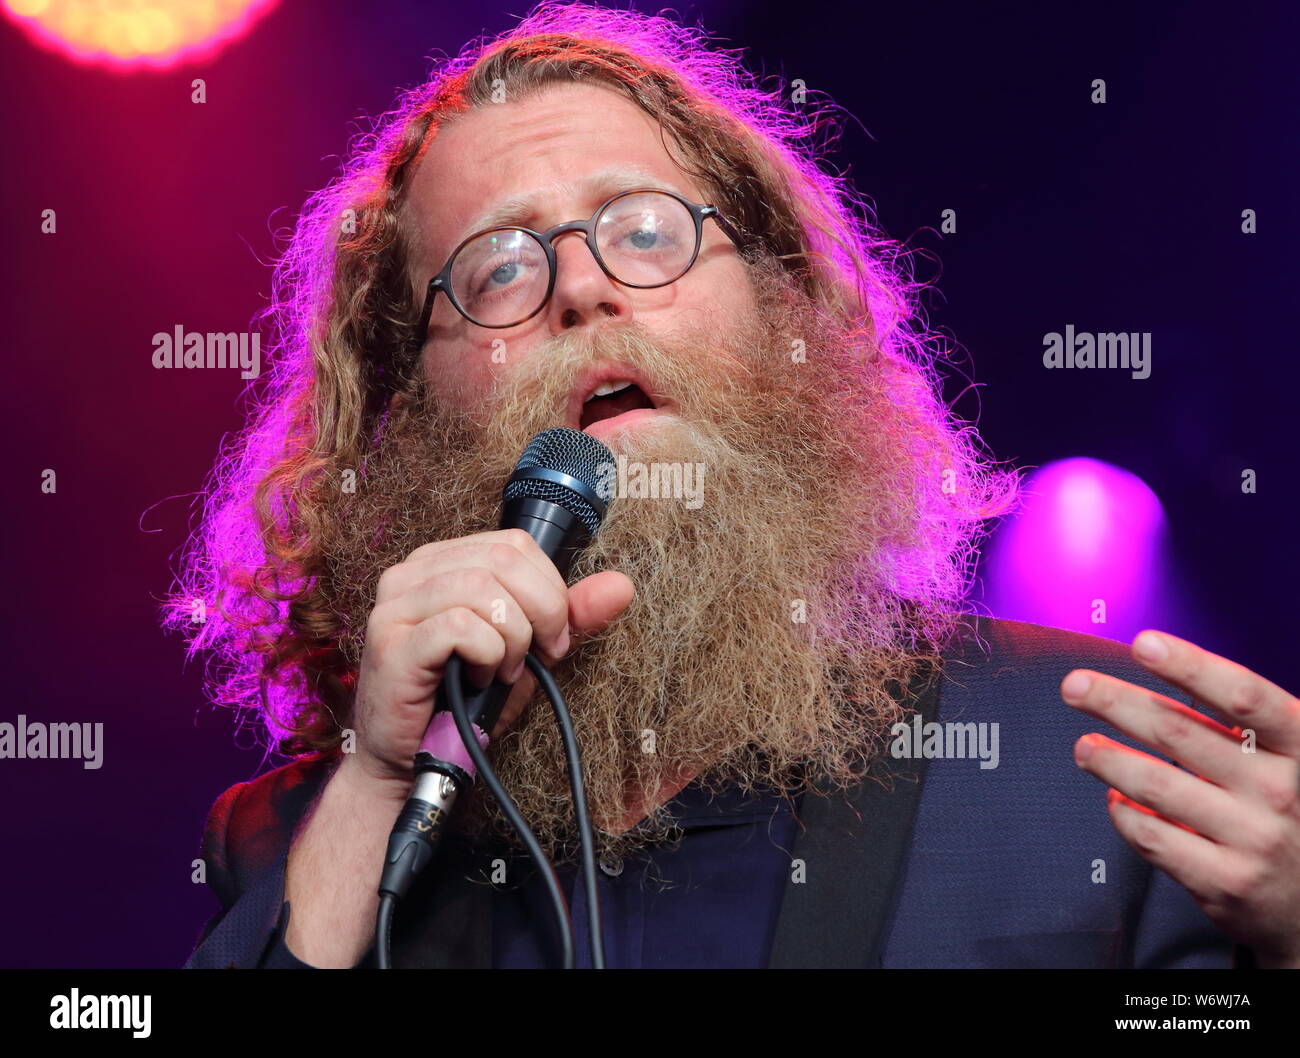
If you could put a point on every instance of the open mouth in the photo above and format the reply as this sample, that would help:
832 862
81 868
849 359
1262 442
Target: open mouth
612 399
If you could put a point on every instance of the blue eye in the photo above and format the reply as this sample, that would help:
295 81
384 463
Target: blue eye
504 273
644 240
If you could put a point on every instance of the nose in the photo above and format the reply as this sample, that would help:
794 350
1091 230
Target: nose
584 294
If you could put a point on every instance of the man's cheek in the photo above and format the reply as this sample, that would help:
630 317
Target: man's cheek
459 374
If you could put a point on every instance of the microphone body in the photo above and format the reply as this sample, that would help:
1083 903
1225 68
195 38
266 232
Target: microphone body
557 494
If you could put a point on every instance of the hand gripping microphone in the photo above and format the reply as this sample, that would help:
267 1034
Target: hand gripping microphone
558 495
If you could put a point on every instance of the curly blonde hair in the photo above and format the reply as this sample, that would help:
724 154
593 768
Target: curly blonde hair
253 592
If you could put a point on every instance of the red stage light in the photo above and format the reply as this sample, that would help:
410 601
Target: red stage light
134 34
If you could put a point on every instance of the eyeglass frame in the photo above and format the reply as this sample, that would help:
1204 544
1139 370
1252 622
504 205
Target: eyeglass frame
442 281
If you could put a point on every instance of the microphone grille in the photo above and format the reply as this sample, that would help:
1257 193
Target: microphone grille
565 451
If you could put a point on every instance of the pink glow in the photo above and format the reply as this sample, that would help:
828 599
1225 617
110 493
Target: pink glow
1088 544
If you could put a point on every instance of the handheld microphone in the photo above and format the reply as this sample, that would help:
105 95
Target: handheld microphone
558 494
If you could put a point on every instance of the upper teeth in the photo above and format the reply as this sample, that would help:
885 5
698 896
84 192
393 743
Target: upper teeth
607 388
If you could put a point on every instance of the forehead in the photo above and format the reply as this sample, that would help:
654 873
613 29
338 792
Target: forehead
567 148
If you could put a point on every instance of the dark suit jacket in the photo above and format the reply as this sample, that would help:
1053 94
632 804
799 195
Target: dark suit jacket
939 863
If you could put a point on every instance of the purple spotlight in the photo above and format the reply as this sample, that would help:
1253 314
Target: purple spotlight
1086 552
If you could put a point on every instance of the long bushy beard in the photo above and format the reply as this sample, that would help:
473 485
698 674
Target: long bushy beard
764 645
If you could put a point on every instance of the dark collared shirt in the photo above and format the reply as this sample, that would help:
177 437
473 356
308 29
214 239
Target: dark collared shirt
710 899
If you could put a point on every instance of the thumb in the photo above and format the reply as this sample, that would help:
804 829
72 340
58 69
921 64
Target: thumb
595 601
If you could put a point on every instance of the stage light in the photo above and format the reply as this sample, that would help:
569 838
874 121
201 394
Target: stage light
134 34
1086 552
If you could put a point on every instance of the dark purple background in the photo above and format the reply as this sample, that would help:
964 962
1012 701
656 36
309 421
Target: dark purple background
1117 217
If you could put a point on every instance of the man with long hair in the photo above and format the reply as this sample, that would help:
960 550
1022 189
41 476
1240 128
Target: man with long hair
744 664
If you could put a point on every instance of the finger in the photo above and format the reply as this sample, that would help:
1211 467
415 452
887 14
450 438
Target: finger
515 586
1176 795
475 545
1229 688
398 579
595 601
433 547
475 589
458 630
1169 727
1203 868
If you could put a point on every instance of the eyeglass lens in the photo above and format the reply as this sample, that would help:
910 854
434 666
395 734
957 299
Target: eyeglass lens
645 240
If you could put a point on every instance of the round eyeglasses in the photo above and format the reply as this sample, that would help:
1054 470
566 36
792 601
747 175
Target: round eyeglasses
643 238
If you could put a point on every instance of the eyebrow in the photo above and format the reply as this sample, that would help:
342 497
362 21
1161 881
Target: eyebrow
606 183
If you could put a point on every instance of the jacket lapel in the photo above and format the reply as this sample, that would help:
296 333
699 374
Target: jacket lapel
853 846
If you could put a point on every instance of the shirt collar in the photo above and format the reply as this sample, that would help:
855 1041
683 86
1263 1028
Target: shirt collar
695 806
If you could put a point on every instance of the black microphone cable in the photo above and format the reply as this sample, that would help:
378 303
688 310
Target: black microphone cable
559 907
